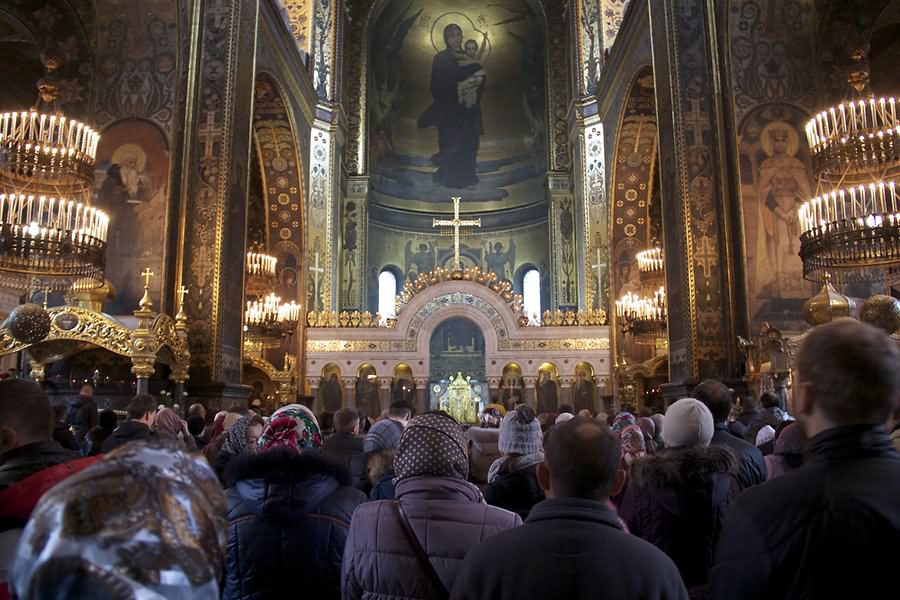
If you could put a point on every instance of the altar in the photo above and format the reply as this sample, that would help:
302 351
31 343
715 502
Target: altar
460 396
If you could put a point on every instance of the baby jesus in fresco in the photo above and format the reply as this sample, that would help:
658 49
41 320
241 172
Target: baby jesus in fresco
468 88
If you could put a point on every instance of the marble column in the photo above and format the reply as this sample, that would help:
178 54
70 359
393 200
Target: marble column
699 186
494 387
348 399
422 395
384 392
565 389
530 396
313 383
213 152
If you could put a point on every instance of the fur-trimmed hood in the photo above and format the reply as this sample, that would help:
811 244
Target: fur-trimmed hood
282 466
678 465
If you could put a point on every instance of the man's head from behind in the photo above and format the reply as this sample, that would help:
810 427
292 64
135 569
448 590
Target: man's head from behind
848 373
582 460
716 396
400 411
25 414
86 391
142 408
346 420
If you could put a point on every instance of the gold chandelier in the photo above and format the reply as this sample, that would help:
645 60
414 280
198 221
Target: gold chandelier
651 260
643 316
49 233
260 273
270 318
852 228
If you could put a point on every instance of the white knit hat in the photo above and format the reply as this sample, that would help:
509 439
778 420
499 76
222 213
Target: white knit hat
687 423
563 417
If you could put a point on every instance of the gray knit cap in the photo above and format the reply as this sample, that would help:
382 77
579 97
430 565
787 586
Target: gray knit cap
520 432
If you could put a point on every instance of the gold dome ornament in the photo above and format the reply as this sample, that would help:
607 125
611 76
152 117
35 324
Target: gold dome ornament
827 305
881 311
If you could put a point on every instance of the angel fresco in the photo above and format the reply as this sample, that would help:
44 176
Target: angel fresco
421 260
501 262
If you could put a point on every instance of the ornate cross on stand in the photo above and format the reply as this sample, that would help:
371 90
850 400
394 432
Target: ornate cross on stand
456 223
316 270
145 303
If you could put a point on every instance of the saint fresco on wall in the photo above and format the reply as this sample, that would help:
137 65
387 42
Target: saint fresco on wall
131 180
776 178
457 96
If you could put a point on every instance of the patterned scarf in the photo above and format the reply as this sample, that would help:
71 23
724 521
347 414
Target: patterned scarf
145 522
633 444
622 420
293 426
236 436
433 444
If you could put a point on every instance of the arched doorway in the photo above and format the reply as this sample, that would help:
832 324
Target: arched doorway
457 346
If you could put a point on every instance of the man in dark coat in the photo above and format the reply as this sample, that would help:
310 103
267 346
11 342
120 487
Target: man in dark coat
30 461
718 399
82 414
346 446
825 530
141 410
572 545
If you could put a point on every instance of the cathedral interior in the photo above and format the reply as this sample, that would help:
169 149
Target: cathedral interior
348 202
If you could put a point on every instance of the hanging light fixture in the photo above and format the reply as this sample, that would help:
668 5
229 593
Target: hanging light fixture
651 260
643 316
851 229
260 273
270 318
49 233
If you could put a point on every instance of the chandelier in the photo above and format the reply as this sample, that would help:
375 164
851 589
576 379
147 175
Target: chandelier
260 272
270 318
643 316
49 233
852 228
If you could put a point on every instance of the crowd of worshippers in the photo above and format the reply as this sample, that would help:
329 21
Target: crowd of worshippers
705 501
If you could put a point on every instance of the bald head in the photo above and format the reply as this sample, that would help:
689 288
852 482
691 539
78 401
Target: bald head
848 373
25 414
583 459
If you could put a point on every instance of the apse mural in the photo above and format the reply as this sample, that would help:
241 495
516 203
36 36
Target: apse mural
457 96
131 181
457 346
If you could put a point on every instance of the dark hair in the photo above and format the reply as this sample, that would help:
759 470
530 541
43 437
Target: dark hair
326 421
583 456
854 369
24 407
140 405
768 400
400 409
566 408
195 425
716 396
345 420
524 414
108 418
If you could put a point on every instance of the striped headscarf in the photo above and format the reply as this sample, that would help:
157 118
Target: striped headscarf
293 426
622 420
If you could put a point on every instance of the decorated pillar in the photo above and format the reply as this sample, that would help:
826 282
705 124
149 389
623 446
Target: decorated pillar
384 392
348 398
313 383
565 388
494 387
215 153
563 263
354 219
699 190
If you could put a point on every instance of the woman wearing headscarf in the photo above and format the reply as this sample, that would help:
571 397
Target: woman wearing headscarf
788 454
413 547
648 428
168 426
240 438
512 478
145 522
677 498
289 510
483 442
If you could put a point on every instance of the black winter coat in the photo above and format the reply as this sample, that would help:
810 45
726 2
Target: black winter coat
568 548
517 491
347 449
127 431
288 519
825 530
676 500
21 462
751 464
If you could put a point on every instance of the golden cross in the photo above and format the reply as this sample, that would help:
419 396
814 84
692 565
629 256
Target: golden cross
706 256
46 297
182 292
147 274
456 223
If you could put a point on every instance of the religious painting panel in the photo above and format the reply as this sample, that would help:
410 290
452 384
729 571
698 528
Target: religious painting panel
366 390
331 388
547 388
457 346
776 178
584 390
457 104
131 185
512 386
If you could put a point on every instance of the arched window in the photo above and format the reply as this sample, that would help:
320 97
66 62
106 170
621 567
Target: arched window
387 290
531 291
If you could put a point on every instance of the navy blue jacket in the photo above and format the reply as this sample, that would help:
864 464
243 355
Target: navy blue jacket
288 517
